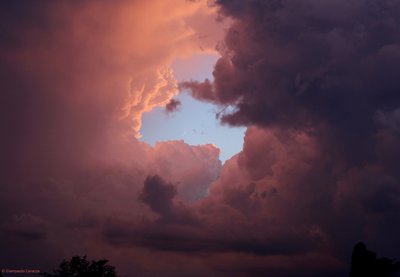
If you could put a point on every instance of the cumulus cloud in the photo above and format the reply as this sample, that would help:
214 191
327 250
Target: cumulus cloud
192 169
76 79
318 79
315 82
159 196
304 63
281 199
187 228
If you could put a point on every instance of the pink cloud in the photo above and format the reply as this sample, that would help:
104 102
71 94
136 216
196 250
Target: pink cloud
319 166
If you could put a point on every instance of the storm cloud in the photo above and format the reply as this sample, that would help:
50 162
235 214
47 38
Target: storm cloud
315 83
329 67
318 80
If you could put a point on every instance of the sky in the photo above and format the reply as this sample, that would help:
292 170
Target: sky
195 122
199 138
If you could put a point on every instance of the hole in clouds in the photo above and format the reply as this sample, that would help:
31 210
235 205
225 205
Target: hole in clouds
194 122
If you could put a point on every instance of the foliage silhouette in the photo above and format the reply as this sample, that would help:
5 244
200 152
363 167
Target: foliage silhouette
365 263
81 267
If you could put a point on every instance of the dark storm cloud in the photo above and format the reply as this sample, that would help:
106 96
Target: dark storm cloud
184 228
317 173
159 196
320 81
306 63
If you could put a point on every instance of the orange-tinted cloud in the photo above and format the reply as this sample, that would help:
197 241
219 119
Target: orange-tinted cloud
76 78
71 72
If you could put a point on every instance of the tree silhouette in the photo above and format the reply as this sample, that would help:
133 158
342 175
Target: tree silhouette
80 267
365 263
